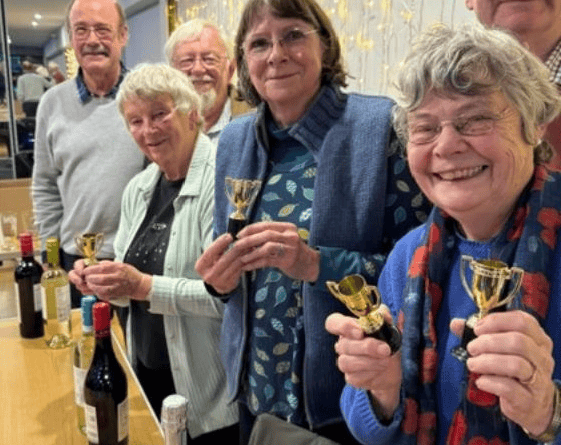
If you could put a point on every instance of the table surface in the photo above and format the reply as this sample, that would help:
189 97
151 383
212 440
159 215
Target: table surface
37 404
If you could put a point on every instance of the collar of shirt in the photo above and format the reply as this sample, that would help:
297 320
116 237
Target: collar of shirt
214 132
553 63
85 95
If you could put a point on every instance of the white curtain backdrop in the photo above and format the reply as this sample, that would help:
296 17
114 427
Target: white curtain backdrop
375 34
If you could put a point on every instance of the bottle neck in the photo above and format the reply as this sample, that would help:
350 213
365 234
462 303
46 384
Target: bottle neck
103 334
103 345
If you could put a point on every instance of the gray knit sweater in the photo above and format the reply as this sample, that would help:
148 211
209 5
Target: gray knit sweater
84 158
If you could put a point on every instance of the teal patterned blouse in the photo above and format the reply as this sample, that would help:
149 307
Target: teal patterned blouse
277 345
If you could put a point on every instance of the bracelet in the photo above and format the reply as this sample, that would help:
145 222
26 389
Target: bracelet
554 427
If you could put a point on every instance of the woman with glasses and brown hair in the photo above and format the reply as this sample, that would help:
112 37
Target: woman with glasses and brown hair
334 195
473 107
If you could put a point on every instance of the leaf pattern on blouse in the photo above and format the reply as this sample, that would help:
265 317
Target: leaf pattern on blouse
277 301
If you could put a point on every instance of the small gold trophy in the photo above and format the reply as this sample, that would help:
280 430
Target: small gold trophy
487 288
89 244
357 295
241 193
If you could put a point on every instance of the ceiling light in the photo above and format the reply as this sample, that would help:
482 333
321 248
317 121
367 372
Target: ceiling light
38 16
34 23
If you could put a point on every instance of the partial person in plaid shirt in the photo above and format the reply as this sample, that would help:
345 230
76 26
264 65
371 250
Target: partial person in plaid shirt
537 24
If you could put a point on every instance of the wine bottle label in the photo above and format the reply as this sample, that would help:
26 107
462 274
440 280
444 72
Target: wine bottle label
122 419
36 299
63 303
79 379
37 296
123 413
16 293
45 304
91 424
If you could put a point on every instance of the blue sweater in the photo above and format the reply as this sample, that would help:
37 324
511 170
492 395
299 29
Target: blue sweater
455 303
350 137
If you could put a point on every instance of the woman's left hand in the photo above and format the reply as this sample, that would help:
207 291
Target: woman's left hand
513 356
109 280
277 244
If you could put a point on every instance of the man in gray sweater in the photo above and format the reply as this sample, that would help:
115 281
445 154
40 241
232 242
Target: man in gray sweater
84 156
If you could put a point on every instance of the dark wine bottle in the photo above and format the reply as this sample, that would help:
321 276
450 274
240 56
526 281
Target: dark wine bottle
28 290
105 387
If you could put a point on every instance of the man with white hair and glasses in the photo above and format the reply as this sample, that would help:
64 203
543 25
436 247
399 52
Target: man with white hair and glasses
201 51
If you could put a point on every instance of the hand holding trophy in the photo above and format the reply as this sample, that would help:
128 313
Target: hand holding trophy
241 193
356 294
89 244
488 282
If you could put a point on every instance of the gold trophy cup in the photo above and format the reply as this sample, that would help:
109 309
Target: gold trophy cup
89 244
488 281
241 193
364 302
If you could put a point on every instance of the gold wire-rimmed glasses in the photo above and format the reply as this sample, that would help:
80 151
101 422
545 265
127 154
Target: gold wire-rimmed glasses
425 130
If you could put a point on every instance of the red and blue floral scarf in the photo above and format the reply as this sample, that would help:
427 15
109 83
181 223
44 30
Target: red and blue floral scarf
530 237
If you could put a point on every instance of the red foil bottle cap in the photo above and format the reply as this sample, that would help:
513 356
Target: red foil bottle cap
101 316
26 244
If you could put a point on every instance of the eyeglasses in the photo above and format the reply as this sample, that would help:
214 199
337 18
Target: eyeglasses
259 48
82 32
156 119
425 131
209 60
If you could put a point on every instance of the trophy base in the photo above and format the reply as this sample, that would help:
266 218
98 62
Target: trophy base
390 334
460 352
235 225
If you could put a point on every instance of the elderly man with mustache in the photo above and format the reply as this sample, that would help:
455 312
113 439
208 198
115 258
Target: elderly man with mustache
84 156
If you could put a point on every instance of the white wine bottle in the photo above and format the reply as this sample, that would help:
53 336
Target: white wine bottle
55 293
83 352
174 419
105 388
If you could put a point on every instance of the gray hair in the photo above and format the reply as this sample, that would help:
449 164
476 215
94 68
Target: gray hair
148 81
471 61
190 30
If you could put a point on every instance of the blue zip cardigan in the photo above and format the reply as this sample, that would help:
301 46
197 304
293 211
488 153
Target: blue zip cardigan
350 136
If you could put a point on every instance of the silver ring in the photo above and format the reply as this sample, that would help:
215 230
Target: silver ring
280 250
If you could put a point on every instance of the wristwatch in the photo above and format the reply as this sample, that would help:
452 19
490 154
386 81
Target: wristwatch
554 427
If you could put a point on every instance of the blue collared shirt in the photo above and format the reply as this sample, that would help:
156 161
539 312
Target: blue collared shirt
85 95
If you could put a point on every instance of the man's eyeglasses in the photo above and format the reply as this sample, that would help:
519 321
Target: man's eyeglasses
209 60
82 32
424 131
259 48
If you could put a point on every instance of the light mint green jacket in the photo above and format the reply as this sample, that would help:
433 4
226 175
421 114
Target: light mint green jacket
192 317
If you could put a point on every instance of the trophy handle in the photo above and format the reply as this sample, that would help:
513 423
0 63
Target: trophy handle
334 289
78 243
516 273
463 261
377 301
99 238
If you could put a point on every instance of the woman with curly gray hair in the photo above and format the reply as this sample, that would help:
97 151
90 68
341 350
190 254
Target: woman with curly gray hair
473 105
